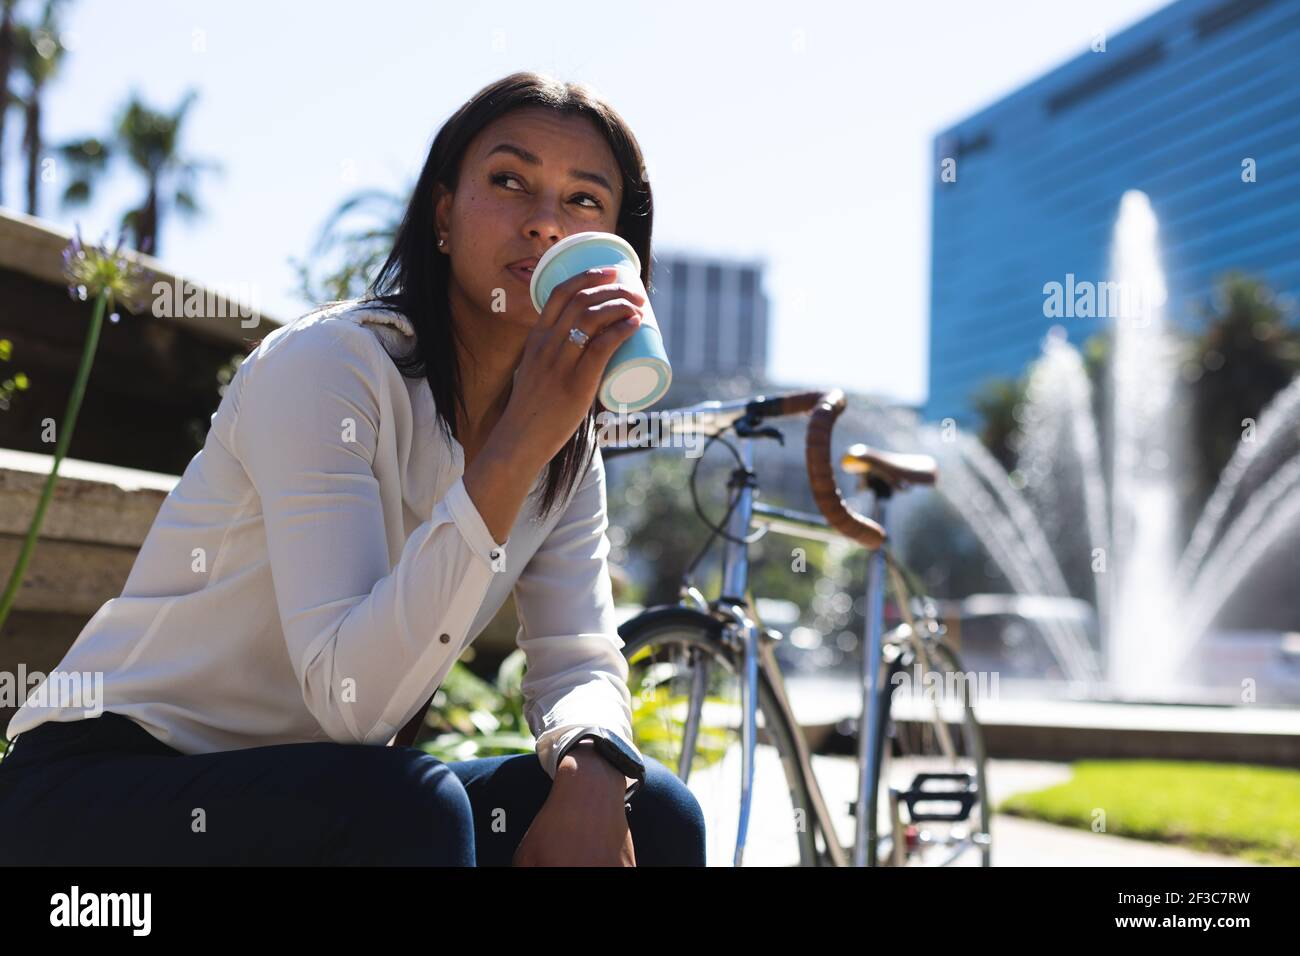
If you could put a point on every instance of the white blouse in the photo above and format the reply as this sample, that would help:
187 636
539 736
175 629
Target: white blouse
319 568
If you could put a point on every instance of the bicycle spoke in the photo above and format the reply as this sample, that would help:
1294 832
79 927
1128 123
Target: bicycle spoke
699 686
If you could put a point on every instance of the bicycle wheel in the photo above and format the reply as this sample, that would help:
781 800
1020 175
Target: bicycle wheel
930 801
669 655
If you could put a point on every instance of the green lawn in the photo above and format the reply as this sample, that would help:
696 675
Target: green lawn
1248 811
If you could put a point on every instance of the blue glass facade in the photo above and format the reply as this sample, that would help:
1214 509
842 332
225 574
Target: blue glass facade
1179 106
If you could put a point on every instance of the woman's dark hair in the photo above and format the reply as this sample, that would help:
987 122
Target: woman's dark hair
415 277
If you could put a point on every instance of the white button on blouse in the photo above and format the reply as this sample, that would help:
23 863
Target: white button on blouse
320 566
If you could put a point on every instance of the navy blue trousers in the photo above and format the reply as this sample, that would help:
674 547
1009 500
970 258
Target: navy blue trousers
104 791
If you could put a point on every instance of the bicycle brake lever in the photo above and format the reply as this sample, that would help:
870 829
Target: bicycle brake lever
745 429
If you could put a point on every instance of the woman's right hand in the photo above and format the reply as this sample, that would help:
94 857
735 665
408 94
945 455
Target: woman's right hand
556 382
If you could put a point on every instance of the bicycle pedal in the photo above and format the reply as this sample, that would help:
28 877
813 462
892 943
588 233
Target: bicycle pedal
917 794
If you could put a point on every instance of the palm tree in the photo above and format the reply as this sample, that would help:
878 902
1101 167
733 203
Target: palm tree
149 141
6 65
39 55
361 250
1247 352
997 403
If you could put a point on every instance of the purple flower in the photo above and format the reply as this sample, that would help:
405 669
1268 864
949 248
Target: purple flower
93 271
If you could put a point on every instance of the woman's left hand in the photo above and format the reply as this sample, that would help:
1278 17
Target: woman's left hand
583 821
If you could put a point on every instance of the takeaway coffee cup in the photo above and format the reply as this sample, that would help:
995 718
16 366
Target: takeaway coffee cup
638 373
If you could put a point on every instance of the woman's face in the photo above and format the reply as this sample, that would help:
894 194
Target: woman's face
527 180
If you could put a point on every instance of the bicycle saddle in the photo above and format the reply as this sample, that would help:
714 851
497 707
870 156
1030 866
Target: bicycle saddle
898 471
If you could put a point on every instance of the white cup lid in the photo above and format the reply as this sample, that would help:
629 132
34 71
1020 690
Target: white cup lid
570 241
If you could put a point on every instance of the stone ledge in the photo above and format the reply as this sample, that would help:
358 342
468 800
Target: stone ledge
96 521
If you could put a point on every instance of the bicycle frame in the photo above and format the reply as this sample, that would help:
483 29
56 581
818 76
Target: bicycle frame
742 625
743 632
865 823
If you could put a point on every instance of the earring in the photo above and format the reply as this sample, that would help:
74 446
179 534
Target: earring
441 243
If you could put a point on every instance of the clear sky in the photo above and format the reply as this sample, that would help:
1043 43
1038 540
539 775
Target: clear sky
799 133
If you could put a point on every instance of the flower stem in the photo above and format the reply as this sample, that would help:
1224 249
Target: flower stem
60 449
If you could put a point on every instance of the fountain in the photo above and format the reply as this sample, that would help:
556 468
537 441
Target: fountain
1068 524
1142 636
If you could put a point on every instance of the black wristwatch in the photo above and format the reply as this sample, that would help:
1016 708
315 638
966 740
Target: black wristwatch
617 751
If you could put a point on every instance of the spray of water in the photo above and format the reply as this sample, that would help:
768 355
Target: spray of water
1261 452
1142 638
1059 460
1153 604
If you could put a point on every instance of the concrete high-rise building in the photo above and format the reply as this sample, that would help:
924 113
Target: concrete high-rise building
712 313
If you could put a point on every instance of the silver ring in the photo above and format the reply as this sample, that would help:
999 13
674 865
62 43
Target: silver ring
579 337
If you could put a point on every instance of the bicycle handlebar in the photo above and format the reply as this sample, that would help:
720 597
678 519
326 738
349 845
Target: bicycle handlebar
794 403
826 408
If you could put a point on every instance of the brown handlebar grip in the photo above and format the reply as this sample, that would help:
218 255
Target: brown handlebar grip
821 476
796 403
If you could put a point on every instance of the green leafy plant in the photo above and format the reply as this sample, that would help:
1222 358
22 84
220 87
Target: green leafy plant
659 725
479 718
473 717
17 382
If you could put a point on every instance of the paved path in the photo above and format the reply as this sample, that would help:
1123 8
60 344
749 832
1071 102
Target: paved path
1016 841
1023 842
1020 842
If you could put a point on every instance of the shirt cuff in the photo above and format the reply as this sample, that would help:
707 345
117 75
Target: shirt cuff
628 782
472 527
552 745
554 750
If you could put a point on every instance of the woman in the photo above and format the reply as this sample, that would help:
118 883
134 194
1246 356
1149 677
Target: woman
378 477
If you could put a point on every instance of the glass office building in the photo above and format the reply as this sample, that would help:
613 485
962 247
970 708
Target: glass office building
1198 106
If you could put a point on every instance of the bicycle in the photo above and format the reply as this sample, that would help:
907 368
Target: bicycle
684 659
